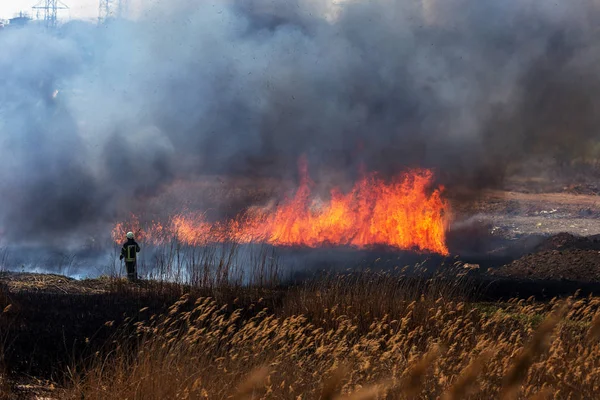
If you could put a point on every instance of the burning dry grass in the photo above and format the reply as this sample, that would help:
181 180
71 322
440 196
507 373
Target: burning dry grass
325 342
406 213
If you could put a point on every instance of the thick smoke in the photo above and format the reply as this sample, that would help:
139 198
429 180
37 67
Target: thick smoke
245 87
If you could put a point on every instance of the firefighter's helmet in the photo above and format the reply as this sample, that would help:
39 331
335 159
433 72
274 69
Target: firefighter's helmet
129 235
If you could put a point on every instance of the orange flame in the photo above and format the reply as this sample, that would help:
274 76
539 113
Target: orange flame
403 214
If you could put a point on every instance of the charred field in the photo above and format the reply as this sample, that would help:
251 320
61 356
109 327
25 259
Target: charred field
512 274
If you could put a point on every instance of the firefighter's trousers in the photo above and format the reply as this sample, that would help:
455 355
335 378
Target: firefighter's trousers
131 270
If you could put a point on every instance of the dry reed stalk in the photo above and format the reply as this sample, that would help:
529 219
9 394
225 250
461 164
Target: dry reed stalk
468 377
594 331
368 392
412 382
539 342
333 384
544 394
5 389
255 381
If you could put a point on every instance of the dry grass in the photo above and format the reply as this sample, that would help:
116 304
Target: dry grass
5 387
343 341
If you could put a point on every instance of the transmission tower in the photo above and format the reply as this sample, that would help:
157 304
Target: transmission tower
49 9
111 9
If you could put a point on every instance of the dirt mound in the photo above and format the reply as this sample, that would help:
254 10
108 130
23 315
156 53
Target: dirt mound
582 188
573 264
567 241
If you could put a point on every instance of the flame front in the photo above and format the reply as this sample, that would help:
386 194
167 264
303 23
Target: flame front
403 213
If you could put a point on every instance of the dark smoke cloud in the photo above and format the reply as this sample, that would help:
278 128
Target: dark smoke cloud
464 86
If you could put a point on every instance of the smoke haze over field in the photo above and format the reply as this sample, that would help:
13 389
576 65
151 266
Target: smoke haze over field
463 86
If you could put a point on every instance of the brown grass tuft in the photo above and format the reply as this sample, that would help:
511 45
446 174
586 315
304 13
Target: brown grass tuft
349 337
333 384
412 383
467 378
539 343
594 331
369 392
253 383
544 394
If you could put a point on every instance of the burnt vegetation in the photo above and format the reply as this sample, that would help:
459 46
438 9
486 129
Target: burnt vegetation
353 335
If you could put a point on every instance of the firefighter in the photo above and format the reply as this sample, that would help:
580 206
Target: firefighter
129 253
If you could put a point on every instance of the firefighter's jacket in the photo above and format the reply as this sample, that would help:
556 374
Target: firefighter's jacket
129 250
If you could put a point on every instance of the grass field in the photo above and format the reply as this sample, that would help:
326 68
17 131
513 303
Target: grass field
360 335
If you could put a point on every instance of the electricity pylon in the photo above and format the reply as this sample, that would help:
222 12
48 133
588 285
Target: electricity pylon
49 8
111 9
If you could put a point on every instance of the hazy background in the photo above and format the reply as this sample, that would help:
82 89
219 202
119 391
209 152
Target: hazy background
96 121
